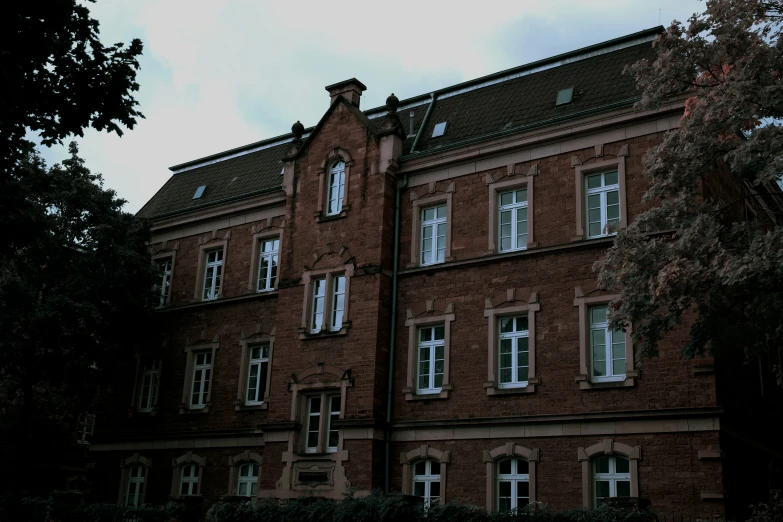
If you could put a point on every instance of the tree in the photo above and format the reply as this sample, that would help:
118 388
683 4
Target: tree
58 79
70 301
697 255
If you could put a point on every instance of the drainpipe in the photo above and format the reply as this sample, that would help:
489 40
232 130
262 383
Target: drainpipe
393 329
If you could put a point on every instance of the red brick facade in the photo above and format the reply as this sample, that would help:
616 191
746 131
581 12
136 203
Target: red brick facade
669 415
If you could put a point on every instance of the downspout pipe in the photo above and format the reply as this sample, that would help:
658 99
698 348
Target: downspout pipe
393 326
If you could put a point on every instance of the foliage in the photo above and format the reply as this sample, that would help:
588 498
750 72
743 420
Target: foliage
58 78
397 508
71 301
694 254
771 511
74 510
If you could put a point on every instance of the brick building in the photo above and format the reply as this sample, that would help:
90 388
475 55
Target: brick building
404 296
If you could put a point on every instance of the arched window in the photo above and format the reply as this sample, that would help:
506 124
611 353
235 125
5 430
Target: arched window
186 475
247 482
513 484
134 493
426 481
189 481
336 190
611 478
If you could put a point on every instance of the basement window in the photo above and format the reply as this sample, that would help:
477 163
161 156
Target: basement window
439 130
564 96
199 192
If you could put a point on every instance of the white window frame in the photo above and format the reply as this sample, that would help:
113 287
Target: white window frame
602 192
335 191
434 226
250 481
139 483
338 309
261 373
215 269
151 373
191 481
267 276
514 478
319 296
514 337
427 479
325 416
608 348
431 346
204 382
166 267
612 477
514 208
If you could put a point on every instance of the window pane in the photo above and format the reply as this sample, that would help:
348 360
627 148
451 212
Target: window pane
242 489
523 467
425 334
418 489
602 465
623 488
434 467
315 405
420 468
442 212
622 465
434 489
504 503
440 332
522 324
506 324
505 243
610 178
429 214
504 468
523 489
504 488
594 202
613 197
593 181
594 229
505 218
618 367
521 195
612 213
601 488
598 315
506 198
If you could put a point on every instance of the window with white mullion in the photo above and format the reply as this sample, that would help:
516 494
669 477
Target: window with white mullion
514 356
313 423
607 347
247 481
338 302
512 220
431 360
135 487
426 481
332 433
322 411
164 268
513 484
611 478
267 265
336 190
602 195
257 370
149 386
319 302
202 369
433 235
189 480
213 271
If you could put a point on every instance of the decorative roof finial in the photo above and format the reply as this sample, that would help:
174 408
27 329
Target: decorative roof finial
297 129
392 102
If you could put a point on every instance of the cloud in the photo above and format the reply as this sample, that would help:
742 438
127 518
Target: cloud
218 75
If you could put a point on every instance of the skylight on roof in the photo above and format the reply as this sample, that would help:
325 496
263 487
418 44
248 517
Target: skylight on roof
439 130
564 96
199 192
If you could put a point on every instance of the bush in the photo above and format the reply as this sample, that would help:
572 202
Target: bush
70 507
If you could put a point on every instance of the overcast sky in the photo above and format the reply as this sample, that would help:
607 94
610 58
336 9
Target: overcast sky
220 74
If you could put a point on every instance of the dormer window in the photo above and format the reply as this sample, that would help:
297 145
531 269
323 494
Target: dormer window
336 191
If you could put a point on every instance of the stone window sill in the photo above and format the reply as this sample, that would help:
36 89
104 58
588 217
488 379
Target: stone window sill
410 394
321 218
305 334
187 410
629 382
493 389
241 406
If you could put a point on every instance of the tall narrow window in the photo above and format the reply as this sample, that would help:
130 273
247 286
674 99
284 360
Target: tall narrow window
514 353
602 193
513 484
247 483
433 235
188 484
431 360
319 298
512 220
426 481
267 265
213 271
149 386
164 271
607 347
135 490
322 411
334 204
257 371
338 302
611 478
202 368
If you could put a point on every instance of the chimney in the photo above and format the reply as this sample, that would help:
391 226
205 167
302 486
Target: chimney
351 90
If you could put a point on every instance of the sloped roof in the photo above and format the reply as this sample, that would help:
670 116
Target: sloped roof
503 103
